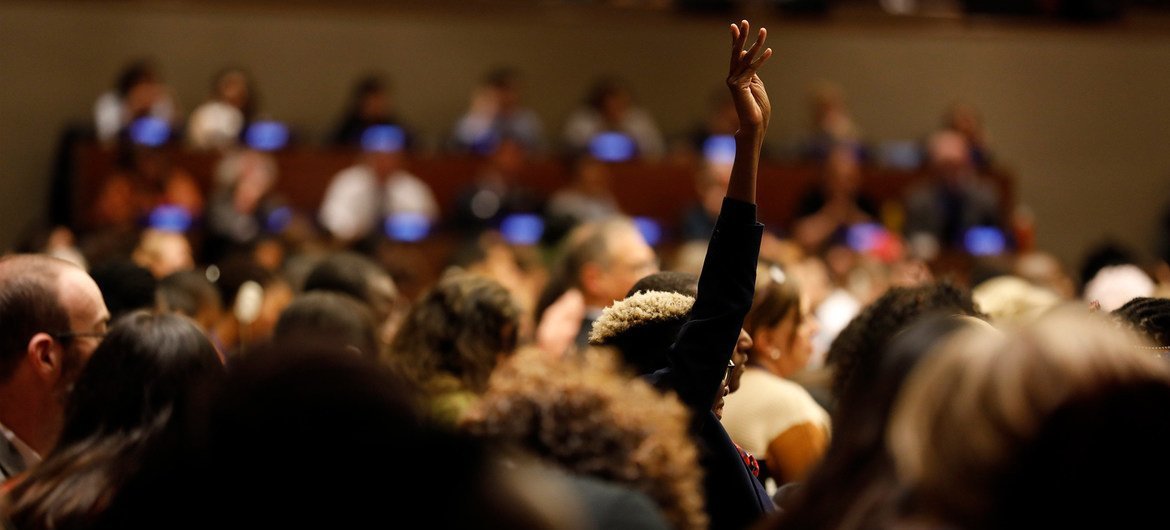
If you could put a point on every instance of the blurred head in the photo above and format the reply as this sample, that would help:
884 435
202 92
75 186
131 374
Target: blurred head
949 155
856 475
370 99
610 98
1149 317
842 171
144 366
191 294
234 87
504 83
331 317
249 174
589 418
360 277
163 252
461 327
1004 432
856 351
139 86
276 407
125 287
780 323
606 258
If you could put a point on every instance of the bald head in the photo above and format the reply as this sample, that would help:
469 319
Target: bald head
41 294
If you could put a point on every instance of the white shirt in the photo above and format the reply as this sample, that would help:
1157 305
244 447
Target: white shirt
215 124
110 115
353 205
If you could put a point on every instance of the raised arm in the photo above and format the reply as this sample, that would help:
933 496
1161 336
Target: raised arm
752 106
726 285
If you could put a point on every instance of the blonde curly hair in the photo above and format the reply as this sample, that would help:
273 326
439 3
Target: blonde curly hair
642 327
587 417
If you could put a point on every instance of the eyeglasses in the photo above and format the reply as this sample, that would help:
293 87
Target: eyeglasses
63 336
730 369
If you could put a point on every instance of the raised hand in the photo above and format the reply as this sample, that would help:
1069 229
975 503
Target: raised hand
747 90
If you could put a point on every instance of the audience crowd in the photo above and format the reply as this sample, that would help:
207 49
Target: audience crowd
193 360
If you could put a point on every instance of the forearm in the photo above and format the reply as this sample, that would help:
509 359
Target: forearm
742 184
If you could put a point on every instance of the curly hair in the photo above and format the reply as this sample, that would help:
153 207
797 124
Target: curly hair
1148 316
586 417
459 327
856 352
642 327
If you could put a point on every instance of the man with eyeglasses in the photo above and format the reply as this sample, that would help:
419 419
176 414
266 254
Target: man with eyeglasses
52 317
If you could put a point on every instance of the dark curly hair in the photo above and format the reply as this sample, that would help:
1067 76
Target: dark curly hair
856 352
587 417
459 327
1148 316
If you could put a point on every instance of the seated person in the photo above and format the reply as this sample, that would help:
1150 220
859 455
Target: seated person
610 108
588 197
219 122
371 103
138 92
954 199
831 124
496 191
689 352
837 202
496 113
145 178
378 186
710 186
244 207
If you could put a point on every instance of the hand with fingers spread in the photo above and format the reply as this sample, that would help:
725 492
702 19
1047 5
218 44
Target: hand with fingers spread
747 90
752 106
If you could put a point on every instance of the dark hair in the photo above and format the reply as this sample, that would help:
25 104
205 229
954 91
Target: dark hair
250 106
252 454
855 480
29 304
772 304
856 351
501 77
124 397
643 345
235 271
603 88
135 73
669 282
1106 254
125 286
333 317
355 275
1124 421
459 327
185 292
1148 316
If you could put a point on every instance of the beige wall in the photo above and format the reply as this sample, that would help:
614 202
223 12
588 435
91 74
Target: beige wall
1083 116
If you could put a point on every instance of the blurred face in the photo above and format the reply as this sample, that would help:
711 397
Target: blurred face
739 356
800 344
374 105
233 89
630 260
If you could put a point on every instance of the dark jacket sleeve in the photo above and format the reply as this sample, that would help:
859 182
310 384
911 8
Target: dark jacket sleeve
698 358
